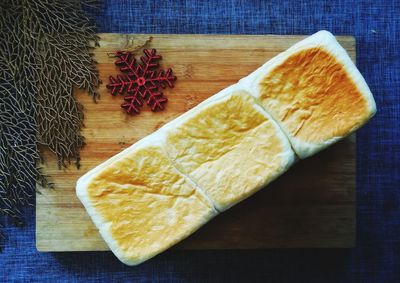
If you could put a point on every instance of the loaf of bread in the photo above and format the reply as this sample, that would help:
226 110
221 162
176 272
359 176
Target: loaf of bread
166 186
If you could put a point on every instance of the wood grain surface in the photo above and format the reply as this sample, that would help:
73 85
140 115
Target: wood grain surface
313 205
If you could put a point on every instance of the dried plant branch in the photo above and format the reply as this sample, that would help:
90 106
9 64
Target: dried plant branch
45 52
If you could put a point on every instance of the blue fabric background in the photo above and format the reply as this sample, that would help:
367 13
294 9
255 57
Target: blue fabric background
376 26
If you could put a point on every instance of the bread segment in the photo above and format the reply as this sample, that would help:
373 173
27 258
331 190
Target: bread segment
229 147
141 204
315 93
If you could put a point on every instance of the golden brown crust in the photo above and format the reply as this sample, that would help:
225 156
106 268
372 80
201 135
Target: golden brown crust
149 205
314 98
229 148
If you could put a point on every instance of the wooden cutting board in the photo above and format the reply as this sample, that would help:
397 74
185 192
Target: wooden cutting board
313 205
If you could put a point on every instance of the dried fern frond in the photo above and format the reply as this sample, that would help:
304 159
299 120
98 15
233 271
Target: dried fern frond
45 52
18 150
63 41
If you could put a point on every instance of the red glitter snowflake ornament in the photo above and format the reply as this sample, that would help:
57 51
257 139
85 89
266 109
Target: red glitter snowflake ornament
141 82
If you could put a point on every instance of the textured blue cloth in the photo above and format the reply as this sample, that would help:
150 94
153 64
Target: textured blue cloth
376 26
